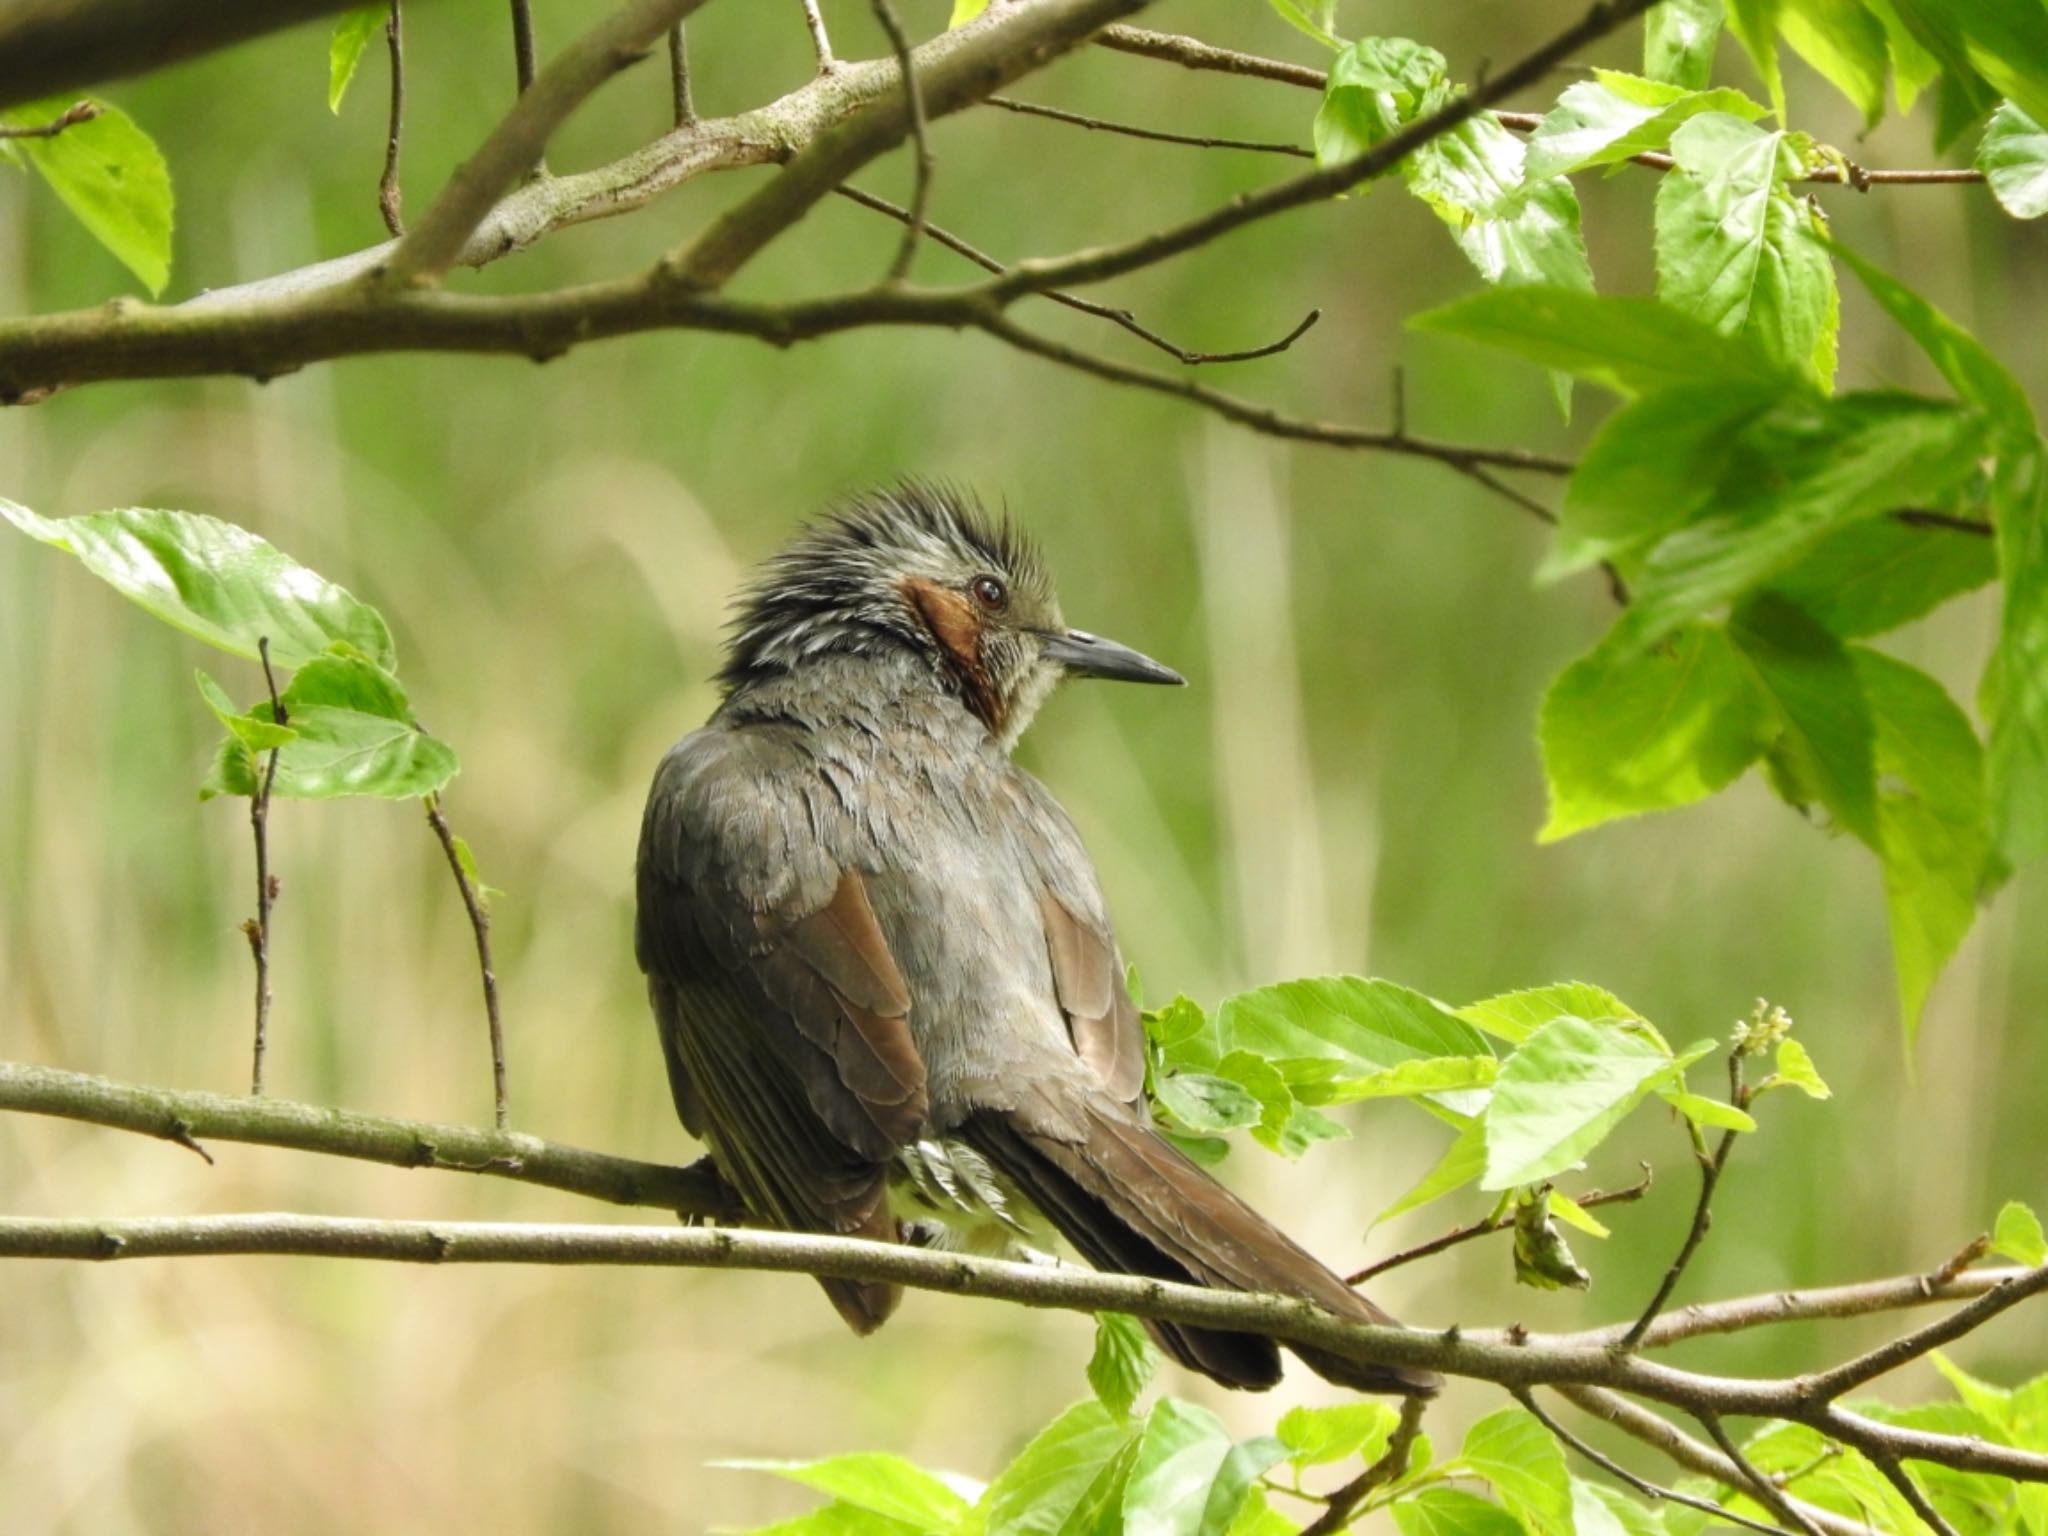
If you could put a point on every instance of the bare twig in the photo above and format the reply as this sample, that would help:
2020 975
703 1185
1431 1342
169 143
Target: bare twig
70 117
522 44
913 100
474 904
1642 1485
1155 135
1390 1464
1922 517
172 1115
821 40
516 144
389 200
1831 1384
1481 1228
679 77
1711 1166
258 927
1109 312
1913 1494
1760 1487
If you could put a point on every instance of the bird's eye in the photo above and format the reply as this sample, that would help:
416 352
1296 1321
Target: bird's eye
990 593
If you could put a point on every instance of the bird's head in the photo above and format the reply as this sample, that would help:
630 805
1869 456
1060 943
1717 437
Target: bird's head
921 572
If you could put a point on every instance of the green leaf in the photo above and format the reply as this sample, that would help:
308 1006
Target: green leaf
1123 1362
1967 364
1317 1436
1845 43
881 1484
1736 248
355 737
1452 1512
1360 1026
352 34
1913 67
215 581
1514 1016
1542 1258
1034 1495
1232 1493
1625 731
1464 1161
1603 1511
1375 86
1202 1101
1654 465
1317 26
112 177
1626 345
1572 1214
1796 475
1513 231
965 11
1561 1092
257 733
1755 25
1181 1452
2017 767
1708 1114
1795 1069
1430 1076
2014 159
1678 41
838 1519
2018 1236
1100 1509
485 893
1933 831
1513 1451
1813 684
2004 41
1614 116
1874 576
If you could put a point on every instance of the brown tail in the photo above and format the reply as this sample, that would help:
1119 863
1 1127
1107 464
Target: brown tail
1130 1202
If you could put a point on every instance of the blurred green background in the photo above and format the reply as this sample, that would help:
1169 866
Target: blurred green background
1350 785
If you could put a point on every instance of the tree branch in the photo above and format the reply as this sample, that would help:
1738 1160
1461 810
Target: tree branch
78 112
390 202
1390 1465
1482 1228
47 46
474 905
1754 1482
921 149
181 1117
437 242
1155 135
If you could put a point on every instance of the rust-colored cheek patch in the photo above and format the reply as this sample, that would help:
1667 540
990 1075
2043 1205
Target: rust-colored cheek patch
956 624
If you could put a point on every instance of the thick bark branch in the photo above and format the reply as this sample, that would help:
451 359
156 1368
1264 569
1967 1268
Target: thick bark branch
47 46
184 1118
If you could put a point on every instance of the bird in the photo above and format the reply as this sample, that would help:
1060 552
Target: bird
888 993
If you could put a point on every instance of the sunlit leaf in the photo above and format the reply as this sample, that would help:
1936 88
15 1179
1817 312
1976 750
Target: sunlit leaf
1561 1092
873 1481
1794 1069
356 736
1755 25
1123 1361
255 732
1515 1016
1874 576
1315 1436
112 177
1513 1451
1814 688
1625 731
216 581
2014 160
1452 1512
1462 1162
1678 41
965 11
1614 116
1845 43
352 34
1708 1114
2017 1235
1034 1495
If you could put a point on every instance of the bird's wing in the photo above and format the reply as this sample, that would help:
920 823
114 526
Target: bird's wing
783 1013
1087 970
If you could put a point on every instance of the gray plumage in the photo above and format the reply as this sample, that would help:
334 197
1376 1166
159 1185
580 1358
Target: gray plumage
878 953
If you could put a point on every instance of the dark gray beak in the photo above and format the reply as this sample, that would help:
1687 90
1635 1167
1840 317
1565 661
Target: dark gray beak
1086 655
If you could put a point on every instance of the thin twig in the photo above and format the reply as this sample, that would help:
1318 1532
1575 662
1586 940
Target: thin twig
480 924
1482 1227
1390 1465
1642 1485
921 150
1109 312
522 44
679 77
267 887
515 146
167 1114
1702 1211
1923 517
1766 1492
1157 136
389 200
70 117
1831 1384
1913 1494
821 40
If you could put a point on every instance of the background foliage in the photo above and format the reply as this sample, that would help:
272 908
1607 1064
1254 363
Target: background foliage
1352 786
